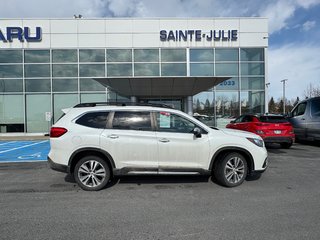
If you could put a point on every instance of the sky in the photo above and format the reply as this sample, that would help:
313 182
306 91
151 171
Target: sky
294 28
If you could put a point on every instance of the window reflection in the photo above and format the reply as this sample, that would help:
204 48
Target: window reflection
92 70
37 70
252 69
252 54
119 55
146 55
173 69
201 69
252 102
64 70
173 55
146 69
89 84
10 56
37 56
11 71
227 69
65 85
64 55
114 70
92 55
38 85
227 54
201 55
11 85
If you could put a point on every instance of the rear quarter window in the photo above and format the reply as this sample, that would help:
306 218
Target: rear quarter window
93 119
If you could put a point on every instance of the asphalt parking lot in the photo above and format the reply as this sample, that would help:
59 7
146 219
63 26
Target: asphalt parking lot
38 203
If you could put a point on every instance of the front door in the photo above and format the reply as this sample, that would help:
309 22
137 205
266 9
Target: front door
179 148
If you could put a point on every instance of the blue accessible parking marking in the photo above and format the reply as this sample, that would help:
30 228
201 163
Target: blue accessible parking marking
24 151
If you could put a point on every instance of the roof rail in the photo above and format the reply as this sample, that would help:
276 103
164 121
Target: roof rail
94 104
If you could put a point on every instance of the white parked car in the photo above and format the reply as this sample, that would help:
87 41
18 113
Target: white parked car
97 141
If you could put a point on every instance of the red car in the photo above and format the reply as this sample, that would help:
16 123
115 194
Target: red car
272 128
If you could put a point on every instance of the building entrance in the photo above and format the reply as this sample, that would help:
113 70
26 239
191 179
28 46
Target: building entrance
176 103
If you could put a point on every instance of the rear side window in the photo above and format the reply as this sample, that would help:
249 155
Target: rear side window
93 119
315 108
132 121
273 119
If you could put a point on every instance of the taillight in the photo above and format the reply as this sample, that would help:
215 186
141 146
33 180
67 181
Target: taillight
56 132
262 124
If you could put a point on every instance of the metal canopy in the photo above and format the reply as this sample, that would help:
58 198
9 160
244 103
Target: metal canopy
160 86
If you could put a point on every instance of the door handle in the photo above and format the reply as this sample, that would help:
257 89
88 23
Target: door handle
164 140
303 119
113 136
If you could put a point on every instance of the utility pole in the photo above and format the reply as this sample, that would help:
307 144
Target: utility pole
267 97
284 95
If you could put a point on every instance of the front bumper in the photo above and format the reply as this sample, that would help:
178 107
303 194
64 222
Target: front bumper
58 167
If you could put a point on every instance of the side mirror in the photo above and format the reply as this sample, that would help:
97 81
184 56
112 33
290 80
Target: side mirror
197 132
289 115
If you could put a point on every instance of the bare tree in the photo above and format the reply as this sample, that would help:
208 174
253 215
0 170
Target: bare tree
312 91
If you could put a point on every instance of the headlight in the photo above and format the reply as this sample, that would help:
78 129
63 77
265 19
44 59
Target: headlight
256 141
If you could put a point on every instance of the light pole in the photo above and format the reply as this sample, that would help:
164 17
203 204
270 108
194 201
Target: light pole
284 95
267 97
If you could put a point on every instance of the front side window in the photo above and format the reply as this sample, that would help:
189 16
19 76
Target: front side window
93 119
168 122
132 121
300 109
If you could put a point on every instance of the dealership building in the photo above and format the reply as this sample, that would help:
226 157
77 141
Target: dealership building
209 66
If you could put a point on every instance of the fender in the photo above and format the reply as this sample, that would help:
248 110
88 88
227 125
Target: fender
234 149
91 149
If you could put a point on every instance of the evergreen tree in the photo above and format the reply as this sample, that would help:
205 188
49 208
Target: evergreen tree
272 106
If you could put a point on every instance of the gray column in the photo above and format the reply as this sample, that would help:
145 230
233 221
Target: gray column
190 105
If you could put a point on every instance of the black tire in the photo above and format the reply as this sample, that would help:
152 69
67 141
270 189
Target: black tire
286 145
231 170
92 173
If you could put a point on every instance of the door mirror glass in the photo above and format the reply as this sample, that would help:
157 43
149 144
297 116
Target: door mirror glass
197 132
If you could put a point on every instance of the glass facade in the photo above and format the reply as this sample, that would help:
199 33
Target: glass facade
33 82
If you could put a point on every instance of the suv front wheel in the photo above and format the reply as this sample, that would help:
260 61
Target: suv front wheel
231 170
92 173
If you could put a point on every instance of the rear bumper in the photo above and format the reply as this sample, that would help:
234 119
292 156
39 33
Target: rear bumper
278 140
58 167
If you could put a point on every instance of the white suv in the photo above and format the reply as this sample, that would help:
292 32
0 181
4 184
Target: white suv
97 141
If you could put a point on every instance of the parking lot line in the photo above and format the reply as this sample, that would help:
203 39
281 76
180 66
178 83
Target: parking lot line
24 151
12 149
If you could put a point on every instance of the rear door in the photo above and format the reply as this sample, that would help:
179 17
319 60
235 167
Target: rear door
131 141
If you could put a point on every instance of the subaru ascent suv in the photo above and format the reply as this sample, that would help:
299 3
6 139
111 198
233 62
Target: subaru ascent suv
97 141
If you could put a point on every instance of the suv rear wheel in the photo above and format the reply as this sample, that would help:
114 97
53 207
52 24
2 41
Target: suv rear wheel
231 170
92 173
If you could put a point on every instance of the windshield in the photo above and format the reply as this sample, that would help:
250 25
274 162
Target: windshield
273 119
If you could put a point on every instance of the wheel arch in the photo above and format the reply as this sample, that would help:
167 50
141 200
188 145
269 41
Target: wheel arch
82 152
222 151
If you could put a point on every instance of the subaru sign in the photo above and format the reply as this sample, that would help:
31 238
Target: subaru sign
198 35
8 34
